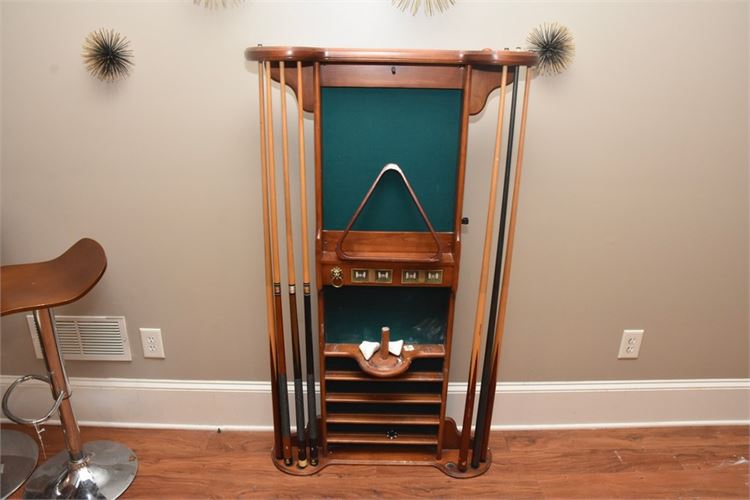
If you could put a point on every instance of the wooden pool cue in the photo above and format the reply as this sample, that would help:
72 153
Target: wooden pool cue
505 287
277 446
312 412
463 449
299 397
279 318
483 415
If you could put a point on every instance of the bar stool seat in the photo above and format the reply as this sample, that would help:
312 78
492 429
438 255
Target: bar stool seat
25 287
99 469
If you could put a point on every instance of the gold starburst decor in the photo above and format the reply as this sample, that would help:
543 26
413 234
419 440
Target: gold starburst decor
215 4
107 55
429 6
555 47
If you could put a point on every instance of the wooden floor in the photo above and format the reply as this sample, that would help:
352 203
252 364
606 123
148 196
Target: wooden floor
683 462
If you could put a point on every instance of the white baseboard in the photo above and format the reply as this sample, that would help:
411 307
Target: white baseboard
238 405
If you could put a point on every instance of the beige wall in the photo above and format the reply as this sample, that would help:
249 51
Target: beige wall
634 210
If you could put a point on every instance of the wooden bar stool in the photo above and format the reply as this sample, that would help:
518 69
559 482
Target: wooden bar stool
98 469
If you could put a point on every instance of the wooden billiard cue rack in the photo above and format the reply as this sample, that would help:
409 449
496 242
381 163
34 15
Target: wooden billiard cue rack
390 138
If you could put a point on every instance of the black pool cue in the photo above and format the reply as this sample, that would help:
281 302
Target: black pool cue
312 412
279 318
299 397
482 421
277 446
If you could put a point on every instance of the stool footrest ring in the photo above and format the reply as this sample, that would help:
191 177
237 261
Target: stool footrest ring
29 421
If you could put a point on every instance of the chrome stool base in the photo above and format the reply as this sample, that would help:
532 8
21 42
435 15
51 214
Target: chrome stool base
18 459
106 471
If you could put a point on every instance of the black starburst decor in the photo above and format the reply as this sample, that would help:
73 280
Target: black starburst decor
555 47
429 6
107 55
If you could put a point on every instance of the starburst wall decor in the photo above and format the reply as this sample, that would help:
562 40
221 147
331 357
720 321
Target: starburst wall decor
107 55
429 6
215 4
555 47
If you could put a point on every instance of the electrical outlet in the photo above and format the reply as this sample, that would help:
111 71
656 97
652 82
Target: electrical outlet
630 345
152 344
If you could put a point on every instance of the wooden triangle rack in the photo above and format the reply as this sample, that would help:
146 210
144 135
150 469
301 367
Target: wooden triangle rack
391 167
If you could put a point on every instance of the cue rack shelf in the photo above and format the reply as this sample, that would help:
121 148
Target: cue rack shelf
396 122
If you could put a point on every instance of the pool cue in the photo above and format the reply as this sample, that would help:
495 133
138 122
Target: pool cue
482 413
312 412
299 397
463 449
277 446
279 318
505 287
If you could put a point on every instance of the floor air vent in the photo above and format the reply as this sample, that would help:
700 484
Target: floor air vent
88 338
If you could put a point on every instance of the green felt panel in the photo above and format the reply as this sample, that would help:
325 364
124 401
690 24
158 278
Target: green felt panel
363 129
417 315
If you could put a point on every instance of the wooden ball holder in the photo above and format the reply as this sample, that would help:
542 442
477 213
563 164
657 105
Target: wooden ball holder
383 364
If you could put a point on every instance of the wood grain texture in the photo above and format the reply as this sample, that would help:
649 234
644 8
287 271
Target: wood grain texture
483 82
407 242
278 328
268 267
410 376
486 79
393 76
681 462
486 57
40 285
383 398
308 87
382 418
367 438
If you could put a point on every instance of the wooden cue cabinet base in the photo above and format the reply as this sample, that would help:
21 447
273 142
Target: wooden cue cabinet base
393 453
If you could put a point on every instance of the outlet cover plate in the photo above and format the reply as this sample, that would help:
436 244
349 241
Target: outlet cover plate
630 345
152 343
